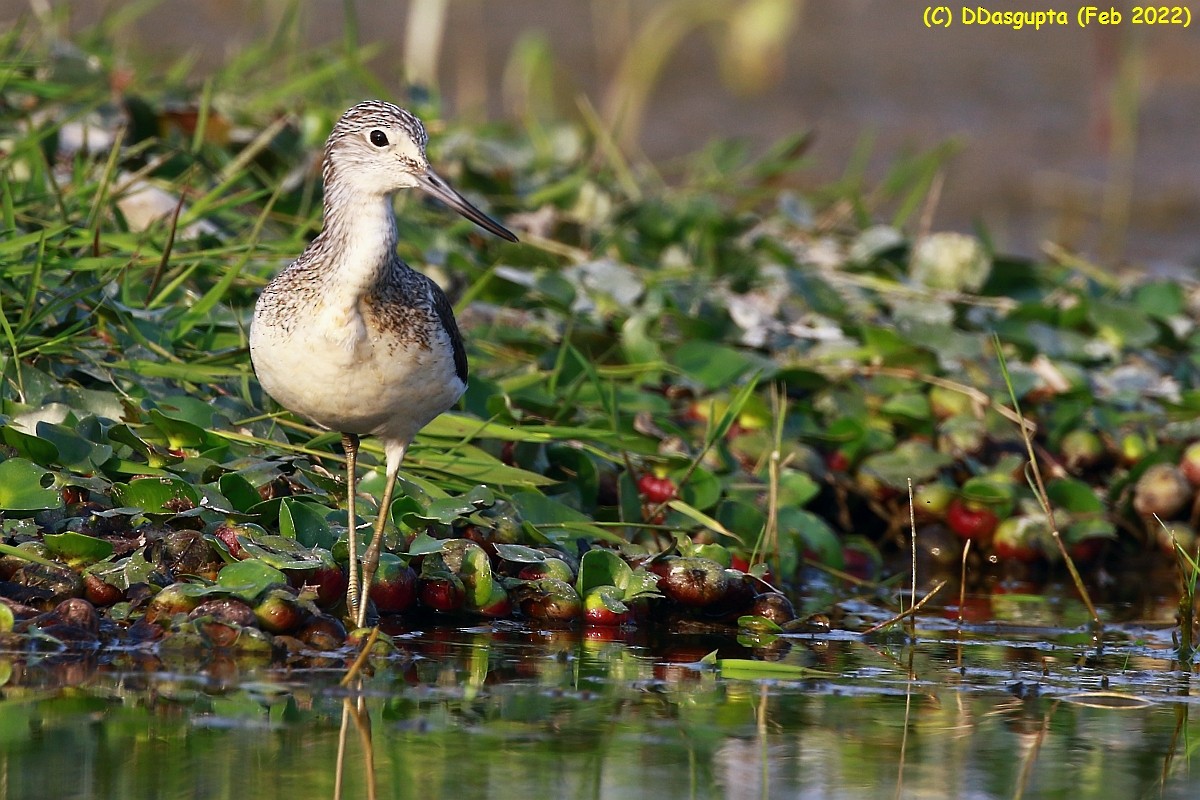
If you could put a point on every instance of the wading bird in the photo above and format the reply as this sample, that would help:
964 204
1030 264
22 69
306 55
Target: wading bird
349 335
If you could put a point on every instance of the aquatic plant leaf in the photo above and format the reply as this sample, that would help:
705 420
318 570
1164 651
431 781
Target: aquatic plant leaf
520 554
1074 496
77 548
797 488
469 561
757 624
447 510
161 495
477 467
248 579
747 669
176 433
36 449
704 519
280 552
21 487
303 522
1160 299
6 625
600 567
240 493
553 519
716 366
915 460
1122 324
74 451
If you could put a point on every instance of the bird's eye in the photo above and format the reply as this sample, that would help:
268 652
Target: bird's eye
379 138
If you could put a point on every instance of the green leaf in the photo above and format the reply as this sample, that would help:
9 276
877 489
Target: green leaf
162 495
238 491
469 561
447 510
520 554
641 583
915 460
747 669
176 433
756 624
303 522
715 366
797 488
702 518
7 620
1074 496
77 548
600 567
247 579
32 447
1122 324
552 519
702 490
21 487
477 467
911 405
1160 299
280 552
25 555
815 534
74 451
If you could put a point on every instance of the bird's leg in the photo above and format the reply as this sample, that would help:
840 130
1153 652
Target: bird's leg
395 454
350 445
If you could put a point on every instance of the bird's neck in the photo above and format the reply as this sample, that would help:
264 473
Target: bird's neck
359 236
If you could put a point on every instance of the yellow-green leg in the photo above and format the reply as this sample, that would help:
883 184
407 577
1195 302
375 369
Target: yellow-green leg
395 455
350 445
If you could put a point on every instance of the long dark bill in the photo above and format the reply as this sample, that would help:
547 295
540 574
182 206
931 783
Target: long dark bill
437 187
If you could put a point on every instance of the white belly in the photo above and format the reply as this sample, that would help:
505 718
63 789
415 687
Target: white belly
348 378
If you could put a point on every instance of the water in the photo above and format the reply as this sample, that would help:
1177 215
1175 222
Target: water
1032 704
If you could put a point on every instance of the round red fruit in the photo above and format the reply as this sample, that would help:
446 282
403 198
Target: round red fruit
656 490
970 520
603 606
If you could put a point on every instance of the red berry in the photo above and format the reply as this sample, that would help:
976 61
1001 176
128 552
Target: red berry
692 581
656 490
1190 463
971 520
394 588
837 461
603 606
443 593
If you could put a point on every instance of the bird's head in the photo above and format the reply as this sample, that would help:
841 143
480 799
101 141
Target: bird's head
377 148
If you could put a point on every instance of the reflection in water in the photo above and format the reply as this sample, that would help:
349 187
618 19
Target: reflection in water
508 712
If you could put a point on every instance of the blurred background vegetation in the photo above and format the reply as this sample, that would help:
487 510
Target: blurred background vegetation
1083 138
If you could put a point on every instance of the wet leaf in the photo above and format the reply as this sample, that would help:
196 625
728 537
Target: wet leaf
449 509
76 548
552 519
21 487
33 448
238 491
248 579
600 567
162 495
520 554
303 522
